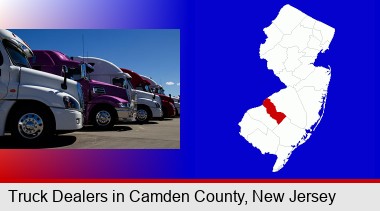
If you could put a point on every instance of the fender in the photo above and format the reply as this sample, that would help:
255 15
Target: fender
169 108
103 99
48 96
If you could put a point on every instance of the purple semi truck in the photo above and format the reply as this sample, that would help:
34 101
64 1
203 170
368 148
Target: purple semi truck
104 104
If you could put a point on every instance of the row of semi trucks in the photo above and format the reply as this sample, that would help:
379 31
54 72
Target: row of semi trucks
45 92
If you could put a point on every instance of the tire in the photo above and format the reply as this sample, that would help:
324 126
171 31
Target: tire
103 118
32 125
164 112
143 115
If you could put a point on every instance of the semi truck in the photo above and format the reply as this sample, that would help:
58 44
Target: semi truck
34 105
148 104
104 104
177 104
144 96
169 107
142 84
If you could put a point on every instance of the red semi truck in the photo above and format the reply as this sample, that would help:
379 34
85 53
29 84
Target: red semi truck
142 82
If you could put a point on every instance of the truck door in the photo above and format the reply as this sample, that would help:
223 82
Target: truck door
3 78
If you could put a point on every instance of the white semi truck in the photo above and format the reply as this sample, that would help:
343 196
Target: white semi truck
148 104
177 104
156 88
34 105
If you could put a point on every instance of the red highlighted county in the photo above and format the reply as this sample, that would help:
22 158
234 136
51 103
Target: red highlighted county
272 111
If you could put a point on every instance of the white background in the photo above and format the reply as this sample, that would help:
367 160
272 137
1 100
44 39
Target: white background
348 196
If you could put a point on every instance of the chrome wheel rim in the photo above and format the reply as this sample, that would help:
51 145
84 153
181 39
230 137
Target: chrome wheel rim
142 115
30 126
103 118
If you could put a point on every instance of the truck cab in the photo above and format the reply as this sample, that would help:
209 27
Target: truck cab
149 104
168 103
104 104
34 105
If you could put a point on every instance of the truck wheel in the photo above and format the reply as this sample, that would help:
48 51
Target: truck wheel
31 125
104 118
164 112
143 115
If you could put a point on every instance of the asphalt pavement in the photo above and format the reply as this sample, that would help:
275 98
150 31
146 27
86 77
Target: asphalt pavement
157 134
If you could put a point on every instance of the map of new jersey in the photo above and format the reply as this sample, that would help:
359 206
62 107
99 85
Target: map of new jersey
287 118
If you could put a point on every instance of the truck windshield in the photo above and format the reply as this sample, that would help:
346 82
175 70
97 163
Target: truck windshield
147 88
17 55
119 82
159 90
75 73
128 83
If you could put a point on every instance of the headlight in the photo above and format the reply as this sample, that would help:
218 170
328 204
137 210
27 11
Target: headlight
124 105
70 103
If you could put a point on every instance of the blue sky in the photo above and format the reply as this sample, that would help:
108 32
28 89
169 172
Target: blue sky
154 53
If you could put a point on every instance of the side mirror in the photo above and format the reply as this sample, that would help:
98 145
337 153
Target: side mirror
89 68
65 71
83 72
